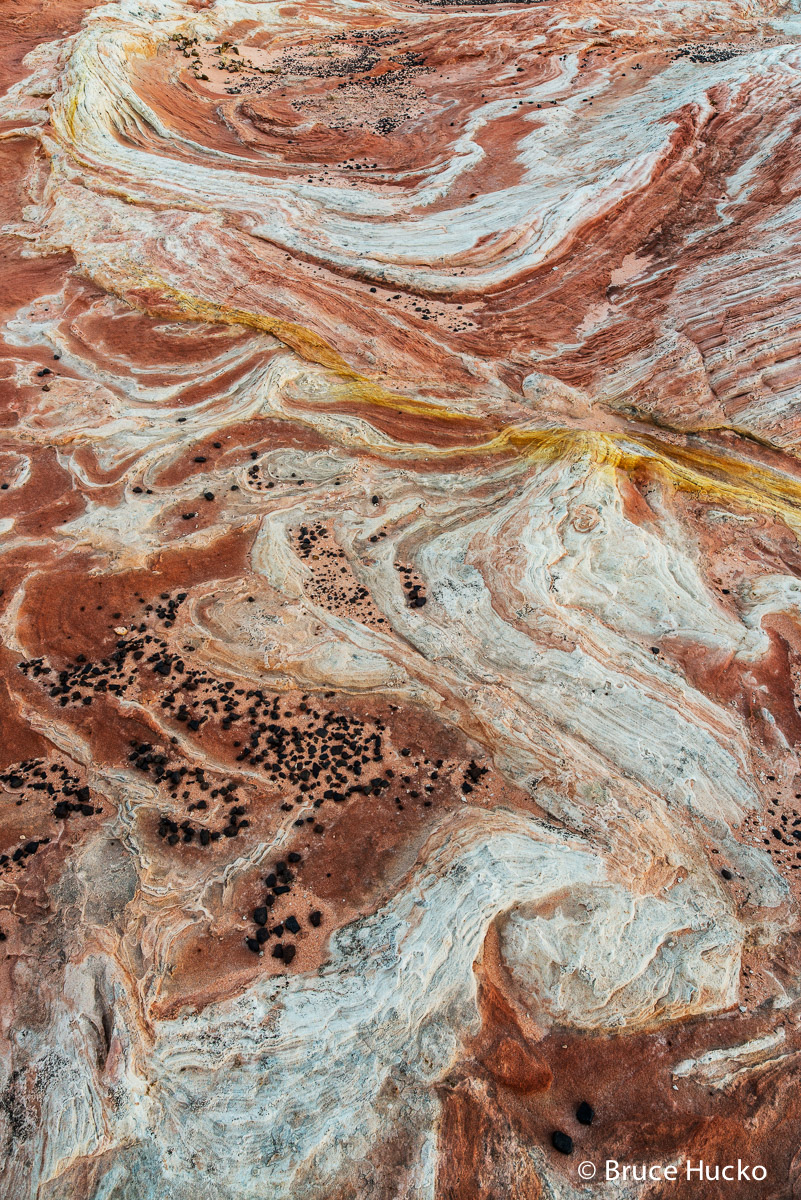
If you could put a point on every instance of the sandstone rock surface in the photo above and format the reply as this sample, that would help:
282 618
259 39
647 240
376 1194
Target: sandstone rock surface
400 598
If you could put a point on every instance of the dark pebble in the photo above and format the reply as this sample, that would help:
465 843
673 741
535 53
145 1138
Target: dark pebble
585 1113
562 1142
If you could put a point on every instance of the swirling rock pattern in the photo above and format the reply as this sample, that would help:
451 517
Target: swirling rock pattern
401 640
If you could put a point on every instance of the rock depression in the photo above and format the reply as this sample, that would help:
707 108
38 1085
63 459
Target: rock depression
400 610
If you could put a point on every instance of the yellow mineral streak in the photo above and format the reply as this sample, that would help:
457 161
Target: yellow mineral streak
724 479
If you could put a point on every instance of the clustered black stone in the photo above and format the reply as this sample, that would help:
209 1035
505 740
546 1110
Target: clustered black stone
334 585
414 587
279 883
311 755
55 780
708 52
562 1141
